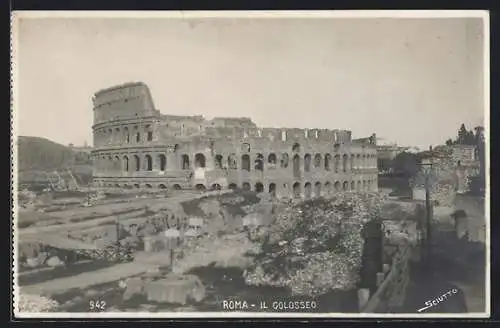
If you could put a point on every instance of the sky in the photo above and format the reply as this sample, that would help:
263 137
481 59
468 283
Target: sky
409 80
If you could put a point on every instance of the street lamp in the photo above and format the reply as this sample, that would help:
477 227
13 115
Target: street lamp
426 169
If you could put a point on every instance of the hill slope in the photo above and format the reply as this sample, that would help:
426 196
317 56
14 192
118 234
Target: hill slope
36 153
39 155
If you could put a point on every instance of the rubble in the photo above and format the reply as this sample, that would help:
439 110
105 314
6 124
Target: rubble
35 303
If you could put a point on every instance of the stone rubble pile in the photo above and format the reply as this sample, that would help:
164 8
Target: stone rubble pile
29 303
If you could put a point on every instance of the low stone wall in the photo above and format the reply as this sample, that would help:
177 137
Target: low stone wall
392 285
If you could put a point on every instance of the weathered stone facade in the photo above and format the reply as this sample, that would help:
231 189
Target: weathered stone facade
135 146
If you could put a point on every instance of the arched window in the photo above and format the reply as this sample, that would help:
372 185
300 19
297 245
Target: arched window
328 159
336 186
296 148
307 190
317 189
199 160
307 163
162 160
185 162
296 190
126 135
271 161
149 163
137 163
232 162
125 163
259 162
284 160
245 162
296 166
218 161
259 187
272 189
351 164
246 186
345 186
317 160
344 162
337 163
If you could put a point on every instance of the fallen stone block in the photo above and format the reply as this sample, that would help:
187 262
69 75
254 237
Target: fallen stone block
54 261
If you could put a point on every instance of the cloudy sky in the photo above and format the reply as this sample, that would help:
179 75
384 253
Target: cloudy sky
411 81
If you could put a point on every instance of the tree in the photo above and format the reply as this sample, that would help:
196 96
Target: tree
462 135
449 142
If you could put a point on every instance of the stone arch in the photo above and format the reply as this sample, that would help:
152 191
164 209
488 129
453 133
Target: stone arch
116 163
125 163
296 166
126 135
177 187
317 160
126 186
358 161
296 148
317 189
271 160
117 185
147 185
246 186
307 190
149 162
344 162
328 187
176 148
218 161
351 163
336 165
162 162
199 160
296 190
363 161
137 186
337 186
259 187
245 162
216 186
369 185
200 187
233 186
345 186
364 185
353 185
307 163
232 162
328 159
162 186
284 160
185 162
137 137
137 160
358 186
259 162
272 189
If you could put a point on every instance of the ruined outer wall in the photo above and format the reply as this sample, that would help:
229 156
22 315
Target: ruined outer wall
136 146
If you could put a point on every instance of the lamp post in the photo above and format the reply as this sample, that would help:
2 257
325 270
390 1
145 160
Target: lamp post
426 169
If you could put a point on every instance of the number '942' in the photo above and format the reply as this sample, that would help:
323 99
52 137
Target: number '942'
97 305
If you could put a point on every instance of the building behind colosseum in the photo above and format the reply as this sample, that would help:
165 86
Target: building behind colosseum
135 146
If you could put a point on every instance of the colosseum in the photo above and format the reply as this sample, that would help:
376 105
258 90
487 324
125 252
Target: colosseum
135 146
